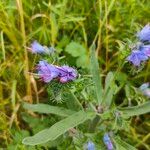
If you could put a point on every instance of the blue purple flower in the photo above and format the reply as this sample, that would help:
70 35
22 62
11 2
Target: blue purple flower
46 71
145 49
67 73
107 141
144 34
37 48
136 57
90 145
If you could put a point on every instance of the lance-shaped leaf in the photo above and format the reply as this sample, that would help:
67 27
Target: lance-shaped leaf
122 145
96 75
47 109
58 128
135 110
108 81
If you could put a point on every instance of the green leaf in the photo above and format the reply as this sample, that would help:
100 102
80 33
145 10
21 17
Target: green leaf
75 49
122 145
108 81
63 42
135 110
58 128
72 101
111 92
96 75
121 77
82 61
107 100
109 89
43 122
44 108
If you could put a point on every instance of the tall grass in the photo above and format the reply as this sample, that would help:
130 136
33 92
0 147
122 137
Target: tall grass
109 24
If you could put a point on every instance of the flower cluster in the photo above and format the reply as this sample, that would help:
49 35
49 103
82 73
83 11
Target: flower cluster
48 72
107 141
141 52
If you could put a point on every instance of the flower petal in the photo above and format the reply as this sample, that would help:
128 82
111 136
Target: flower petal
144 34
46 71
136 57
37 48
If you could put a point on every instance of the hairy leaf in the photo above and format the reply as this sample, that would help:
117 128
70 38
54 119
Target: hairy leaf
122 145
44 108
75 49
58 128
135 110
96 75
